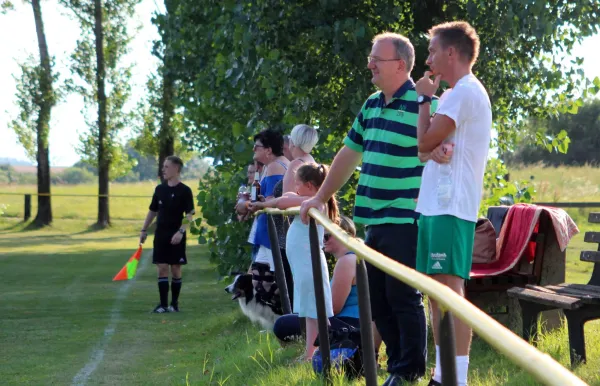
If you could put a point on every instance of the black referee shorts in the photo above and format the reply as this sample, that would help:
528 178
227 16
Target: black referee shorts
166 253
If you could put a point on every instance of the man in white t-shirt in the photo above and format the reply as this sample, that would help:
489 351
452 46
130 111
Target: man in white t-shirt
450 191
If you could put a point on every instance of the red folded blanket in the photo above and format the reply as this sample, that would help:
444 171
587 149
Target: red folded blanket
514 240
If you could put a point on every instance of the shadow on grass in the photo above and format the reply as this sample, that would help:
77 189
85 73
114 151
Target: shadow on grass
12 228
57 240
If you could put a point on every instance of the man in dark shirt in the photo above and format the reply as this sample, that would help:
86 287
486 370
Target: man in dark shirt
171 201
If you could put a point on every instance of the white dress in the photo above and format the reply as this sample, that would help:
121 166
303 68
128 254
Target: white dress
298 254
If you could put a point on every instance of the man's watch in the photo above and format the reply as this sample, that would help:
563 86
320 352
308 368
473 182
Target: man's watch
182 231
423 99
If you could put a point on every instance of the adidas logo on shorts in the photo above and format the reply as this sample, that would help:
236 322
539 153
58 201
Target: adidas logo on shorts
181 260
436 265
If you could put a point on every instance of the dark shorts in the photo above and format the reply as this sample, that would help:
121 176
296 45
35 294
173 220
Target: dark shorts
166 253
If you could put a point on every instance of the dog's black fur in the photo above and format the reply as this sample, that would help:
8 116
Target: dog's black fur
256 310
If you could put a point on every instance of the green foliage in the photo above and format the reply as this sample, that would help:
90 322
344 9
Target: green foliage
9 176
225 237
580 133
116 17
120 162
30 97
498 188
6 6
273 63
148 118
73 176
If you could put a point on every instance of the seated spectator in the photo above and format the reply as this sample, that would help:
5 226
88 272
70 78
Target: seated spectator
344 294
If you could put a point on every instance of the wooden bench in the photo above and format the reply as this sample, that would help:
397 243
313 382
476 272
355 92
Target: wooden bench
579 302
548 267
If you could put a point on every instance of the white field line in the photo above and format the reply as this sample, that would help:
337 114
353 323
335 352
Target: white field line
97 354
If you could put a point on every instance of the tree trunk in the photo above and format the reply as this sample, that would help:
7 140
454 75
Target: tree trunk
166 138
103 161
44 212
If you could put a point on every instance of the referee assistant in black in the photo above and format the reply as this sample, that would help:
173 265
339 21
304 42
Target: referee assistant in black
171 201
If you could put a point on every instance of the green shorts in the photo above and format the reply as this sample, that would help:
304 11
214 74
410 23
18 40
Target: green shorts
445 246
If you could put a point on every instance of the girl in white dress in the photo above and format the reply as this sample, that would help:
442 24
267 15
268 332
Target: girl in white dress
308 180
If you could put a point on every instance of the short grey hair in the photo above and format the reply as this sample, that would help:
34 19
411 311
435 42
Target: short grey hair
404 48
305 137
286 139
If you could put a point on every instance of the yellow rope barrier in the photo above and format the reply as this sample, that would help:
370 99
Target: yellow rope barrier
543 367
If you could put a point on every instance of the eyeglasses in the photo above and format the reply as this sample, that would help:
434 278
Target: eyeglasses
377 60
326 237
256 147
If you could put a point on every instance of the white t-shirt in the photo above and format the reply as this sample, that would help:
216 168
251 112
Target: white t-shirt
468 105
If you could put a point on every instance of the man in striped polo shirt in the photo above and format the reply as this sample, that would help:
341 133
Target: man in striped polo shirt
384 138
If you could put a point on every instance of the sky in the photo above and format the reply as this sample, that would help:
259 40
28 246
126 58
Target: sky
18 41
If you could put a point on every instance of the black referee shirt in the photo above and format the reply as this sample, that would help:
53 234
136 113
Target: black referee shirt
172 203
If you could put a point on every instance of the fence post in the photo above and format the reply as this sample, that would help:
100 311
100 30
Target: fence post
279 271
366 330
315 252
447 349
27 207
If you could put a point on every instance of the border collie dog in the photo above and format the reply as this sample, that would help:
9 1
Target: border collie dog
256 309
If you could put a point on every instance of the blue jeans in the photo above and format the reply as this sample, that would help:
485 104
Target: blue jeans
397 308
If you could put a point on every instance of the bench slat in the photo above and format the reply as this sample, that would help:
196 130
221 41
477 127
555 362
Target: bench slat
558 301
594 218
585 287
592 237
591 256
590 297
539 288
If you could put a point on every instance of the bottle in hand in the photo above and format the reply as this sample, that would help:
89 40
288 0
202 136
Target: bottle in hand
255 192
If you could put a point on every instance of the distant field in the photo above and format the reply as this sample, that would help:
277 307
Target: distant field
567 184
121 208
561 184
33 169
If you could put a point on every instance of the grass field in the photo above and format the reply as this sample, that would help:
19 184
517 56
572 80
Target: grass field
63 321
121 208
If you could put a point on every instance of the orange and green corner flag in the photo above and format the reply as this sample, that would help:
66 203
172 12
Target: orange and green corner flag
128 271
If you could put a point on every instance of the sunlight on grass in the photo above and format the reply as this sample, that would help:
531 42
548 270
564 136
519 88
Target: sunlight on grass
561 184
121 208
55 318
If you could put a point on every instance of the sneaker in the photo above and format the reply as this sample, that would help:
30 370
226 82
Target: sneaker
160 309
173 308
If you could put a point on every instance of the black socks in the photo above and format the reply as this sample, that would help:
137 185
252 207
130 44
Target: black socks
175 289
163 290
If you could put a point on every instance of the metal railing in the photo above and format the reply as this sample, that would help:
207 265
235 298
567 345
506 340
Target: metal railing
543 367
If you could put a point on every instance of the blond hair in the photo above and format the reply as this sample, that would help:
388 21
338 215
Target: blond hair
460 35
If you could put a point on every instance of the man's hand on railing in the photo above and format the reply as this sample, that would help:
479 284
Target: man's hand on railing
314 202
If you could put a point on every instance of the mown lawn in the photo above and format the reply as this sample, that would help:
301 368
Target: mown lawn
63 321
